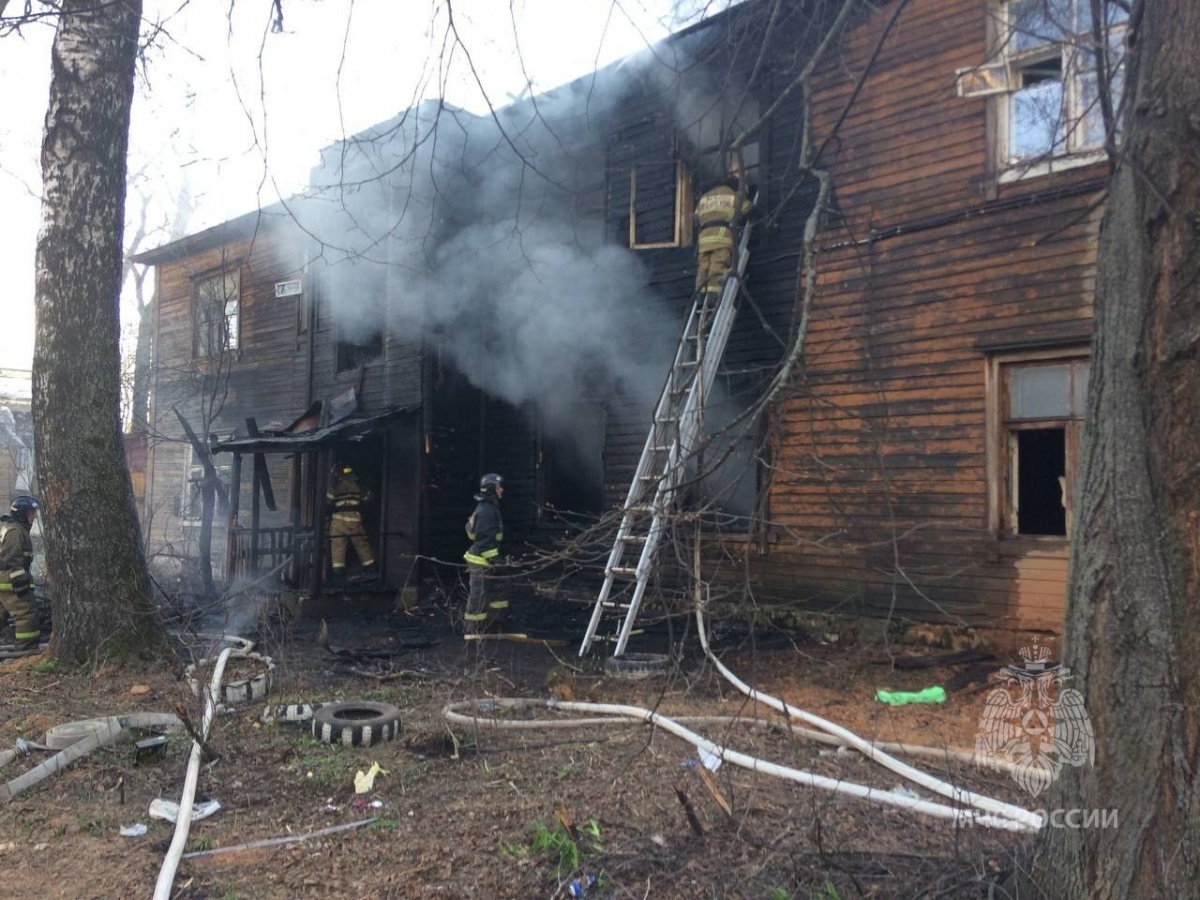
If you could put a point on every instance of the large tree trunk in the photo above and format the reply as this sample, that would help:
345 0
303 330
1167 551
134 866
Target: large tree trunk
140 402
97 568
1133 620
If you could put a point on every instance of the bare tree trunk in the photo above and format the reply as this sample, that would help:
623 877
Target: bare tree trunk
94 555
1133 621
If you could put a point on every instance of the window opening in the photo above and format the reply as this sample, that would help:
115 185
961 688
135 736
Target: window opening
191 501
660 205
1040 459
360 335
1043 410
571 461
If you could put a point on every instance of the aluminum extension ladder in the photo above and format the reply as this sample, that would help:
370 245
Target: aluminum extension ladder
669 447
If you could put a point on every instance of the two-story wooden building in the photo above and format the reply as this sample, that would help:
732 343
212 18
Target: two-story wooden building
459 294
926 460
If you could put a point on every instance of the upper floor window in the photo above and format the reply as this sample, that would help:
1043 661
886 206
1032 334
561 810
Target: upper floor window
217 314
1046 76
360 327
660 205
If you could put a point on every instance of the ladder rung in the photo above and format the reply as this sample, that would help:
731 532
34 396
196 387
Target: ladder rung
612 638
624 571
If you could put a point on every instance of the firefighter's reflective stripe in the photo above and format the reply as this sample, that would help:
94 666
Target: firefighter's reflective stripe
716 212
481 559
26 635
715 237
475 617
347 516
498 604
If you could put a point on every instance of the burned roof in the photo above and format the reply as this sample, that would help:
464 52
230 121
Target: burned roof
344 430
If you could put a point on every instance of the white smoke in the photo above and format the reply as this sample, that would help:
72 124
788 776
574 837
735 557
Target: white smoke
489 238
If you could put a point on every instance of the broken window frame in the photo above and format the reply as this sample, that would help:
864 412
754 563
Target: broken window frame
1006 425
1022 72
216 313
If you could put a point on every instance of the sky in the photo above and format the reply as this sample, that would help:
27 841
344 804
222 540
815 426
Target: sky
230 114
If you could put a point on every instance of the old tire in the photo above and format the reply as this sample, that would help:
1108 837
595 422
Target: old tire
356 724
242 690
637 665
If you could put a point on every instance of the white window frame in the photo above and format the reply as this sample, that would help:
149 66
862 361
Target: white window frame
1076 141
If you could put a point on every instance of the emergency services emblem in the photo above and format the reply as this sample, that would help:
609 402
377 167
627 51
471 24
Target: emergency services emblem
1035 723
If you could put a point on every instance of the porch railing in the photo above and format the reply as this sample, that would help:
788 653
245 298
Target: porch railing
275 545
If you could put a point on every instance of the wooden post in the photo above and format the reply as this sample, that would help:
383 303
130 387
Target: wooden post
255 518
293 573
235 496
320 484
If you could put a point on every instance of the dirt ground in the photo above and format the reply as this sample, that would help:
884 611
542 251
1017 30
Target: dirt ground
514 812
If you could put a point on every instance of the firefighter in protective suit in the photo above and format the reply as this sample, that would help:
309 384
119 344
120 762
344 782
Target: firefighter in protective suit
719 212
485 529
345 499
16 559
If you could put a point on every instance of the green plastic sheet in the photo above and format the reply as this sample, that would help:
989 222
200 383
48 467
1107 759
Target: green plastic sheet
901 698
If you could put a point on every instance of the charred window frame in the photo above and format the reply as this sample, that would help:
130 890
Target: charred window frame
216 313
1043 84
654 220
1037 403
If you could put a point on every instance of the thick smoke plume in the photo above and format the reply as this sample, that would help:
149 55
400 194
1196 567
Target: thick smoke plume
487 236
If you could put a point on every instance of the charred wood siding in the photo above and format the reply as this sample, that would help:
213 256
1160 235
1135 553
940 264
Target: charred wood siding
881 494
453 425
265 377
649 130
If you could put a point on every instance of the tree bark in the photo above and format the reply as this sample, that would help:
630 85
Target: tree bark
1133 619
95 561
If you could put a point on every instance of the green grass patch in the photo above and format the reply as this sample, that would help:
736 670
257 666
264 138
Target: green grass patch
567 853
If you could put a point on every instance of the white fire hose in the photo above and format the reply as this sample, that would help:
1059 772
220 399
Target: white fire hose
166 876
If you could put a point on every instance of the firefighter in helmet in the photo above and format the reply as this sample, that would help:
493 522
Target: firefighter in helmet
345 498
720 212
16 559
485 529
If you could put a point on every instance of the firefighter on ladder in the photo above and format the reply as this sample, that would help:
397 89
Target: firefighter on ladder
346 498
16 560
719 212
485 529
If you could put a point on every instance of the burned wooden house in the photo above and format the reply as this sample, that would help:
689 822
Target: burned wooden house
457 294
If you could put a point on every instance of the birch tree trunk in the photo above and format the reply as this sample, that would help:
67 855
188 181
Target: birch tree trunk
1133 620
94 556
